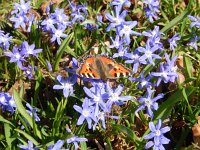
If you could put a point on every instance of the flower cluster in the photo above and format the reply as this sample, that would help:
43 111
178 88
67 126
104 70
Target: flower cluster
5 40
22 17
151 9
97 107
7 102
20 53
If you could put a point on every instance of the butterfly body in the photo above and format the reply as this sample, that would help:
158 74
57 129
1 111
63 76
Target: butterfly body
102 67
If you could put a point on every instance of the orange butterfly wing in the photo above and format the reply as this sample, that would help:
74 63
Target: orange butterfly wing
116 70
86 69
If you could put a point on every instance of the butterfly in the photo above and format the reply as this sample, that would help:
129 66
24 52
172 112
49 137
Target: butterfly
102 67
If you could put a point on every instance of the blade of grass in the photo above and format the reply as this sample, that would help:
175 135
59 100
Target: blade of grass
23 112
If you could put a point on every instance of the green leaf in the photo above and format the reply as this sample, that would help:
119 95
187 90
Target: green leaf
61 50
175 21
29 137
24 113
5 121
127 131
166 107
7 130
188 66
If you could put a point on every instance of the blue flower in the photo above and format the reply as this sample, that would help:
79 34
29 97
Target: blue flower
152 9
114 96
122 52
143 81
135 60
32 112
148 53
148 102
75 139
195 21
126 30
57 146
57 34
167 71
48 23
29 49
60 17
154 37
30 146
16 56
121 3
5 40
86 113
7 102
157 133
98 96
117 42
117 20
20 21
28 71
22 8
78 12
172 41
193 42
66 85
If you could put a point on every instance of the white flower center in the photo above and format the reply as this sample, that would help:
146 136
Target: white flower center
114 96
164 75
148 102
12 102
97 99
101 116
17 56
116 44
85 113
148 53
49 22
157 132
58 33
23 7
121 53
21 19
29 51
117 21
66 85
127 29
143 83
2 99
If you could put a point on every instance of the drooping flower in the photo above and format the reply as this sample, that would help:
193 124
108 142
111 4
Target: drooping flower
7 102
149 102
5 41
193 42
121 3
75 139
157 134
57 146
30 146
172 41
66 85
32 112
195 21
